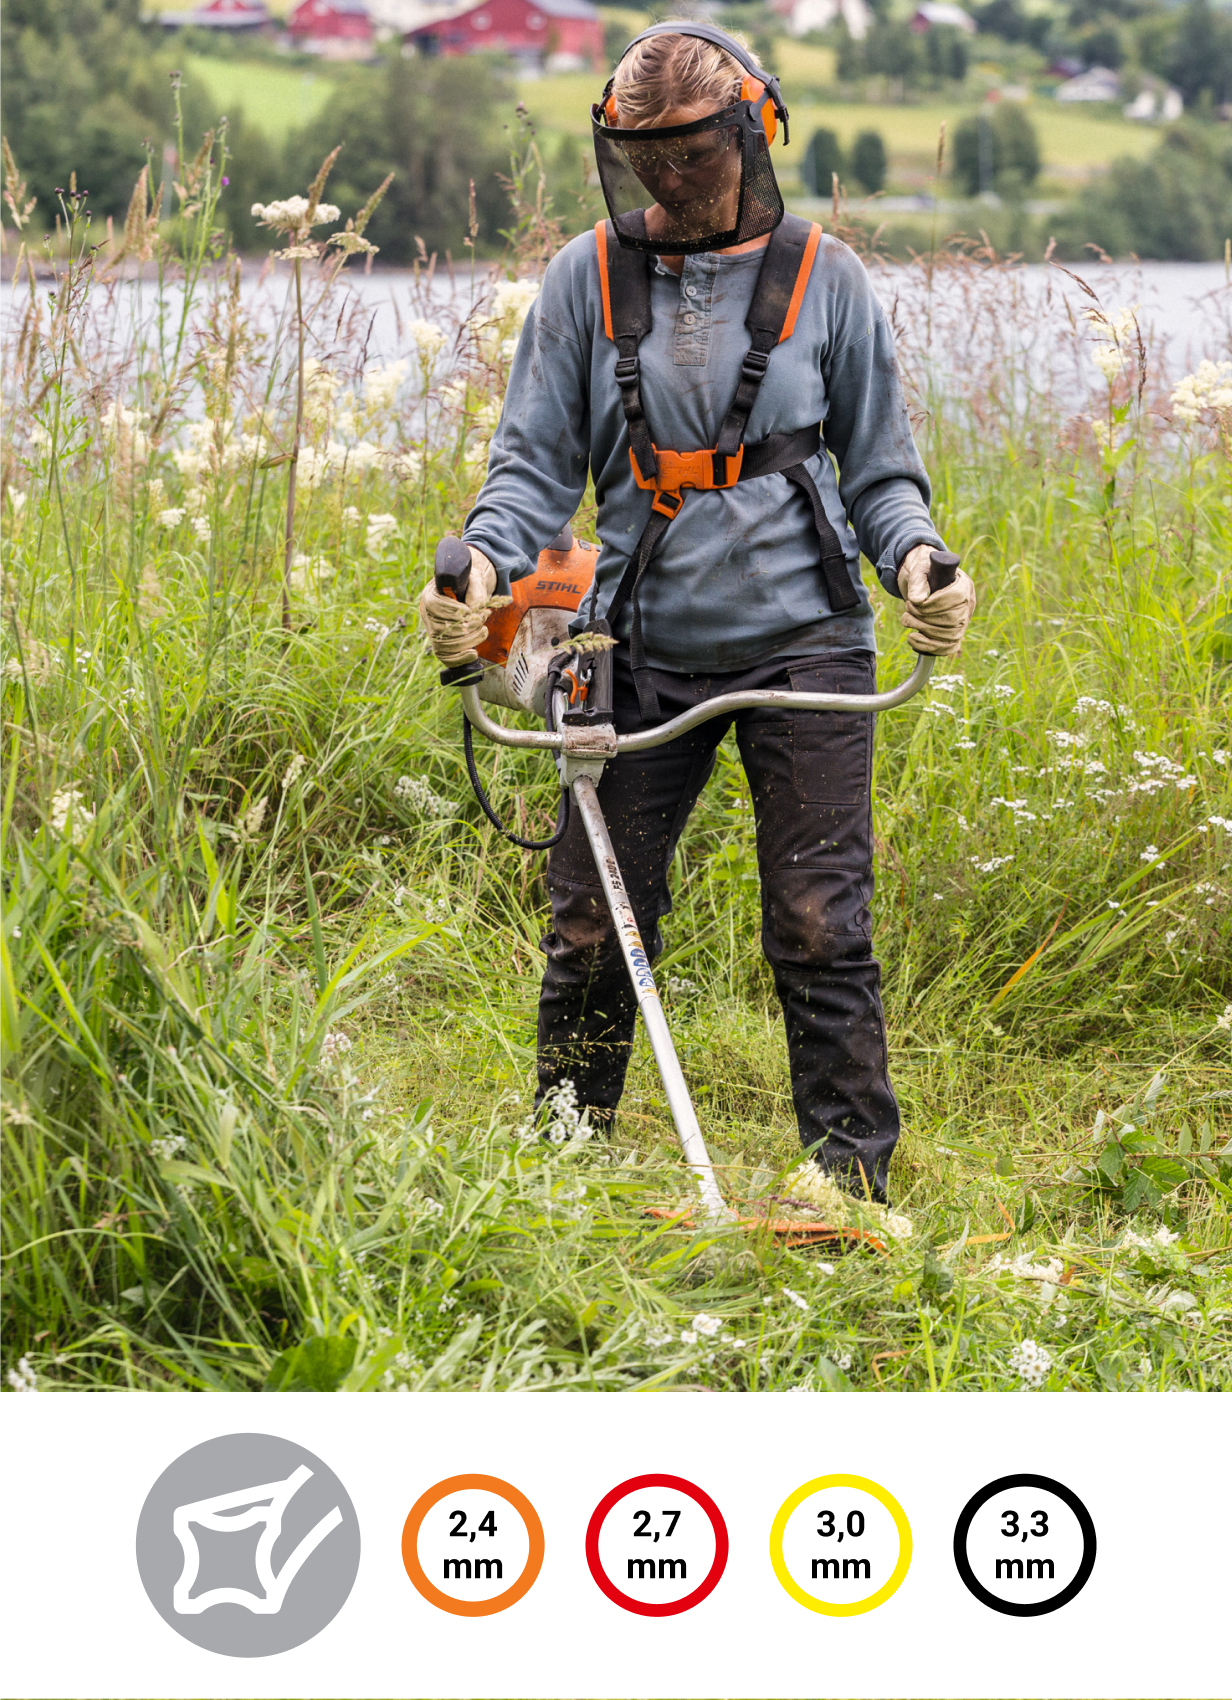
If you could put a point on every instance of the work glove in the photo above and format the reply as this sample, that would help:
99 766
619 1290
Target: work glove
935 622
454 629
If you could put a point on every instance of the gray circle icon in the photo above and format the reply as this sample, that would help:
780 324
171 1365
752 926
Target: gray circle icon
248 1545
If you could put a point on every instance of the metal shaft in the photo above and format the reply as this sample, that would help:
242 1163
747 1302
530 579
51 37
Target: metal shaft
638 964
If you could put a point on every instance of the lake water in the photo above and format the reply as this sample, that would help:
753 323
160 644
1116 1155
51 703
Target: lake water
1028 316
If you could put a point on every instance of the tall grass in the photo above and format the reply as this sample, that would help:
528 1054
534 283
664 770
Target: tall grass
269 977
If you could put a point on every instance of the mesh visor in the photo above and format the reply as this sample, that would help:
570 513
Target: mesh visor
689 188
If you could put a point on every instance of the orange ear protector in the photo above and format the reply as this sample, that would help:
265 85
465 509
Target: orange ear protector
751 89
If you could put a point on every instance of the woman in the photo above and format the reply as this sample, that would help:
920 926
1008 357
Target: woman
700 315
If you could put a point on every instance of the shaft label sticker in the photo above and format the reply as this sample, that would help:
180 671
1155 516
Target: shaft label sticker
473 1545
840 1545
657 1545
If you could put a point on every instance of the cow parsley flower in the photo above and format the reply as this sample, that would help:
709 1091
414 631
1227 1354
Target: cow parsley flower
291 215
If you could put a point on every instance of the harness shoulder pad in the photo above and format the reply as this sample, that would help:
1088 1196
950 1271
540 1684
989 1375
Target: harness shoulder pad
783 279
624 279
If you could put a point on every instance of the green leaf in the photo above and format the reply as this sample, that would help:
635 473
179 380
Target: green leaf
1139 1192
1110 1163
319 1364
1164 1171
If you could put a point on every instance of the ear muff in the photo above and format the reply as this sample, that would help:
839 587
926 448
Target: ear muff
609 109
753 90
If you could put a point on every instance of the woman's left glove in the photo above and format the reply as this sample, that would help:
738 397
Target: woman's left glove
936 620
454 629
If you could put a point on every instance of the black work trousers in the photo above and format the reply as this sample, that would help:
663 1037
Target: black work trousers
810 778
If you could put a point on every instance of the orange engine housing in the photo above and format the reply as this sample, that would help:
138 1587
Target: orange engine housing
562 578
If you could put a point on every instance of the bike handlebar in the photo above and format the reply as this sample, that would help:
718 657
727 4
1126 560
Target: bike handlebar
830 702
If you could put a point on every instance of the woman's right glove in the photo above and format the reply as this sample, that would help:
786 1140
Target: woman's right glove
455 629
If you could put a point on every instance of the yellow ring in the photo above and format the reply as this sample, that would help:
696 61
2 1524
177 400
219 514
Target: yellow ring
789 1582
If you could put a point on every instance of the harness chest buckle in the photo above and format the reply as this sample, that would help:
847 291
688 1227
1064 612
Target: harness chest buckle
686 469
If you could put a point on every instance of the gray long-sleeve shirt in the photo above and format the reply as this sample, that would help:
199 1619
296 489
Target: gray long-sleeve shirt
737 577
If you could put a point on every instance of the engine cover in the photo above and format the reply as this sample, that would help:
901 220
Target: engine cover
522 637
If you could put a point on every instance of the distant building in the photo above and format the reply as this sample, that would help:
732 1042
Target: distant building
1097 84
555 35
805 15
234 16
1155 103
336 29
934 14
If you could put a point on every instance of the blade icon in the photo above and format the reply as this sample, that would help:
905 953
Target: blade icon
244 1508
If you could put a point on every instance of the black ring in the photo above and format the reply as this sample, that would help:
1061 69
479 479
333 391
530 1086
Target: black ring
1037 1608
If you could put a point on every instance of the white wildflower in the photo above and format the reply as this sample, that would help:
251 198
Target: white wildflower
1225 1020
707 1325
351 516
1221 757
1150 854
69 815
419 795
1209 389
688 1337
170 518
1030 1363
428 338
295 767
657 1337
511 300
798 1299
1219 820
23 1379
380 528
291 215
201 527
381 384
991 866
333 1046
169 1147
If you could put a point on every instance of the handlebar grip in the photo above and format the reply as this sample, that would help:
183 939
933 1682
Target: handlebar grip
943 569
452 568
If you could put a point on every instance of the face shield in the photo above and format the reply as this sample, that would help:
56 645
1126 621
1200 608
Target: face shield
689 188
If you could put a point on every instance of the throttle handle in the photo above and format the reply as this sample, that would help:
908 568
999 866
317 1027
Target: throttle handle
942 569
452 568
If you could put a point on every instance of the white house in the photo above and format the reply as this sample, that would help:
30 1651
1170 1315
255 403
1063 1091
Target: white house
806 15
934 14
1099 83
1155 103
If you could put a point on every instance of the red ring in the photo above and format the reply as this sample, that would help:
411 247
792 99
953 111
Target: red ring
671 1607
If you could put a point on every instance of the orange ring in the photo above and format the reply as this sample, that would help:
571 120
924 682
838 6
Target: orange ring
446 1602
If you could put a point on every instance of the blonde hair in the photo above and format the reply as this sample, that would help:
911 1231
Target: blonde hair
668 71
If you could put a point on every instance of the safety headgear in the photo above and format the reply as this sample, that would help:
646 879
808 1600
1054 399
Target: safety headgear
711 181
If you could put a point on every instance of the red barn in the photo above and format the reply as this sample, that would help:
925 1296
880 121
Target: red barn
559 35
336 29
233 15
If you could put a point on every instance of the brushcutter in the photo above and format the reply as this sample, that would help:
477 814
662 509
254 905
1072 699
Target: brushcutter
529 662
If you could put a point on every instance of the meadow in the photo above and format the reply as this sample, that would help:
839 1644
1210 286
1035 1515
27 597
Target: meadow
269 977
